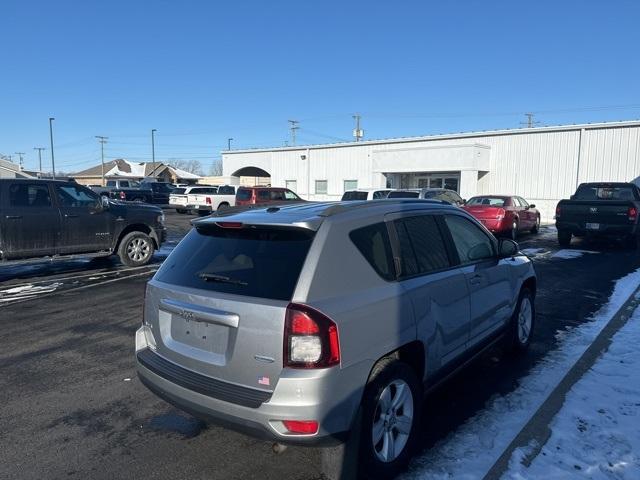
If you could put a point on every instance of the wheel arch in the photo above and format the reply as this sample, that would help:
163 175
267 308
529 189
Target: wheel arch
137 227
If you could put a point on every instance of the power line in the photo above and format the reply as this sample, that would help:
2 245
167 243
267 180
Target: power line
20 155
39 149
102 140
530 123
357 133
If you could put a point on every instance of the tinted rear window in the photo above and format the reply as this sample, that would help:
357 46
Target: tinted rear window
487 201
403 195
266 263
243 195
348 196
179 191
226 190
592 192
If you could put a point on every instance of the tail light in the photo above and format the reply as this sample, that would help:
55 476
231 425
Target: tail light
310 338
501 214
208 200
632 214
558 211
123 196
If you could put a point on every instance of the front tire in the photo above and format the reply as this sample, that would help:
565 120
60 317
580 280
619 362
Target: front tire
564 238
391 412
522 323
136 249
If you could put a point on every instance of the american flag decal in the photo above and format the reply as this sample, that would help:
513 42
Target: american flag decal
263 380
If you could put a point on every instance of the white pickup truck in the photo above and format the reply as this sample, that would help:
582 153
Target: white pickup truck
206 203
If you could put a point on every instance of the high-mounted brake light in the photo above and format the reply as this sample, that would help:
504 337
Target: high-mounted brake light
229 224
310 338
632 213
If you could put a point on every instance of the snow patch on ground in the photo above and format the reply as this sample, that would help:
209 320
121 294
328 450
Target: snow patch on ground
469 452
568 254
532 252
27 291
596 434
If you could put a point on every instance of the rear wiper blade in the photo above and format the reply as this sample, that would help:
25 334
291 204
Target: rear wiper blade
212 277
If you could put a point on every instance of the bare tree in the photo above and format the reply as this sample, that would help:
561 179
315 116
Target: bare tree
216 168
191 166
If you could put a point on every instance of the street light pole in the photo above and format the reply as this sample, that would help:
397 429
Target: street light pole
153 150
229 143
53 161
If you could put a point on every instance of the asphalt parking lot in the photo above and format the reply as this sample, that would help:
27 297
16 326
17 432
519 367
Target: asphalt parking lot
72 406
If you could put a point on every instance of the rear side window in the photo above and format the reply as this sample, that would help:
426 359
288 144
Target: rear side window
262 194
422 248
380 194
243 194
403 195
29 195
349 196
373 243
226 190
255 262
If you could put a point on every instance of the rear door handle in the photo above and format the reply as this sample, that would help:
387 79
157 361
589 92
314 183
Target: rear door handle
475 280
70 215
13 217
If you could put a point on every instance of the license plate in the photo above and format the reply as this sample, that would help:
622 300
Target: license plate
201 335
592 226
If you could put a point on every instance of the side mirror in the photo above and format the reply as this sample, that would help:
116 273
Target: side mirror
464 201
533 205
104 203
508 248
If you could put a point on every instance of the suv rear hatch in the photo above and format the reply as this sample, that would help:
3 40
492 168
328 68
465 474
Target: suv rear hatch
217 305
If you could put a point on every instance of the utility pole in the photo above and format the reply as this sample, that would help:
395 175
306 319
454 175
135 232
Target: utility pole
153 150
39 149
102 140
294 126
357 132
20 154
53 161
530 123
229 143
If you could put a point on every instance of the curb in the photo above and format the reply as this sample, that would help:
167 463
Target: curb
537 430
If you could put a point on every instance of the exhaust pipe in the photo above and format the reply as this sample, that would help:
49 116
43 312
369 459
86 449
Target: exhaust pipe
278 448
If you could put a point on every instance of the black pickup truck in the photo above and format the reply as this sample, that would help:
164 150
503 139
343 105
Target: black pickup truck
128 190
53 219
600 210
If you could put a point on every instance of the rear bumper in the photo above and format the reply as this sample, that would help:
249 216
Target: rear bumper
605 230
494 225
199 208
328 396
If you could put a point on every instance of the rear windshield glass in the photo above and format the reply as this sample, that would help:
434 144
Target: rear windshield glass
487 201
347 196
255 262
400 194
226 190
593 192
179 191
243 195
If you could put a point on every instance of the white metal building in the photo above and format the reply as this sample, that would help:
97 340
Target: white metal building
542 164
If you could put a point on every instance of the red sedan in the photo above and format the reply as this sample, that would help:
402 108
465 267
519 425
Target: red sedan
504 215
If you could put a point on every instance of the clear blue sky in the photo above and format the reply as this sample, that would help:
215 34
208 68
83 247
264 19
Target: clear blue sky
202 71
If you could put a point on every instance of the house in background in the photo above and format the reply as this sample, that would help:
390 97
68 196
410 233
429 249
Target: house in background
123 169
12 170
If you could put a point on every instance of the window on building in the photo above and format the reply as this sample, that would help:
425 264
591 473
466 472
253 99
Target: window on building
291 185
321 187
451 184
350 185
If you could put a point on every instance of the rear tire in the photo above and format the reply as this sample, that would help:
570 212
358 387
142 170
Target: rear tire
136 249
564 238
391 412
223 206
522 323
536 227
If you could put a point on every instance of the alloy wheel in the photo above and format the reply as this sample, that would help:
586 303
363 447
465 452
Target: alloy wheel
138 249
524 321
392 421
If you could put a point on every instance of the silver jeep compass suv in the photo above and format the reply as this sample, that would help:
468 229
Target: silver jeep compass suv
290 322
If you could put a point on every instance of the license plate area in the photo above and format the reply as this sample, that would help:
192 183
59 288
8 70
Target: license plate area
592 226
205 336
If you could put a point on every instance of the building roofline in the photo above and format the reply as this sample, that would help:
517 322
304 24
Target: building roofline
446 136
